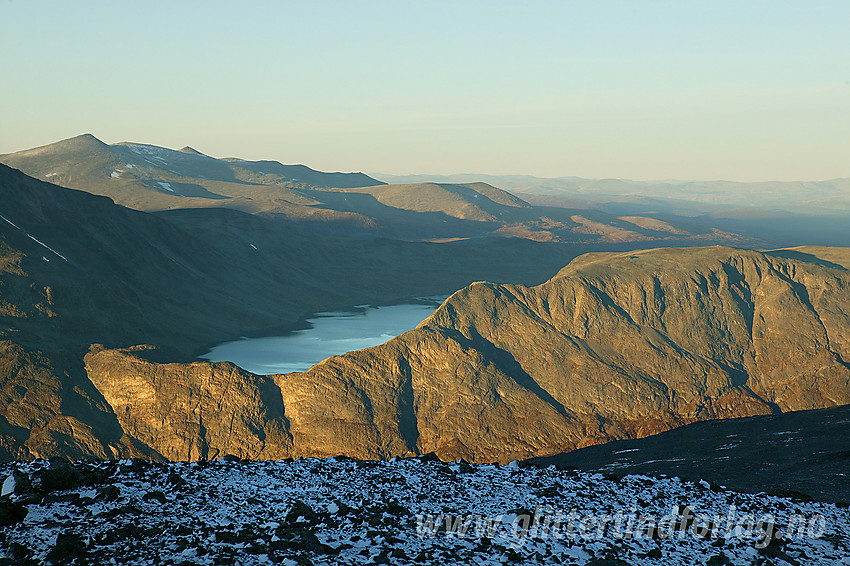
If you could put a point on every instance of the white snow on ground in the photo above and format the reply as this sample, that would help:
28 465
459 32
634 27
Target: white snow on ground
117 173
166 186
50 175
8 486
37 241
34 239
339 511
150 151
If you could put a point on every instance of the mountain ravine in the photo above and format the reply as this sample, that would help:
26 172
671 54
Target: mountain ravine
615 346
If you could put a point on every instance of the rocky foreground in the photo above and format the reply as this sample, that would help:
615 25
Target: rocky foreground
410 511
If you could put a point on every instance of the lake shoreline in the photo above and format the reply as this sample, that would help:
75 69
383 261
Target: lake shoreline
317 336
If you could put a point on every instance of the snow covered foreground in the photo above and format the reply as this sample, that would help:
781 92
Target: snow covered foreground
340 511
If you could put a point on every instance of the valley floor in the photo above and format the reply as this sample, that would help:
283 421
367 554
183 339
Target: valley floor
341 511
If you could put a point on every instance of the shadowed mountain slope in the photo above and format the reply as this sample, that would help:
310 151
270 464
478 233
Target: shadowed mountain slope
76 269
802 453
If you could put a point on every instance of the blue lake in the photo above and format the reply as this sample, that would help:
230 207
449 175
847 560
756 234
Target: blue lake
330 333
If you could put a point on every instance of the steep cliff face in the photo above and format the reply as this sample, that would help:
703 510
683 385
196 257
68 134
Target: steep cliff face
643 342
49 411
191 411
615 346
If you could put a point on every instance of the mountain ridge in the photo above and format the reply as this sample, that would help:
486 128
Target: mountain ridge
783 213
151 178
501 372
88 141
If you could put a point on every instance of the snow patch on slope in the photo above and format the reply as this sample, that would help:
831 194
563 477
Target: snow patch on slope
37 241
9 221
34 239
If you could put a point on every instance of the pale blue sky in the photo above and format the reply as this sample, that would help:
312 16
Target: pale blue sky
642 90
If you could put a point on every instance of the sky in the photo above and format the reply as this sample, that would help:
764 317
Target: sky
630 89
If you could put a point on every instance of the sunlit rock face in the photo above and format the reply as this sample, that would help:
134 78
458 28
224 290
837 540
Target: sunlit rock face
615 346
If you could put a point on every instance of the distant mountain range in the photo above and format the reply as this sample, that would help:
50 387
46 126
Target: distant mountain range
86 159
781 213
152 178
682 197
